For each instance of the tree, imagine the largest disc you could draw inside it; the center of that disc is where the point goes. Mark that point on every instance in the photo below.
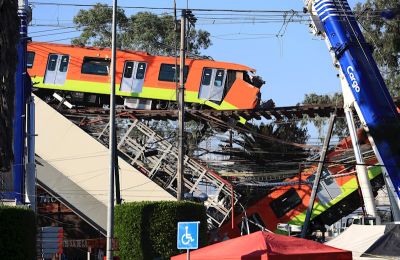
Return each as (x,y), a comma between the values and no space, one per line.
(147,32)
(384,36)
(9,25)
(143,31)
(340,127)
(96,26)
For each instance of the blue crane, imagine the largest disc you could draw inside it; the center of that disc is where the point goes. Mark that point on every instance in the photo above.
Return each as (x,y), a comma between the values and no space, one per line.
(335,21)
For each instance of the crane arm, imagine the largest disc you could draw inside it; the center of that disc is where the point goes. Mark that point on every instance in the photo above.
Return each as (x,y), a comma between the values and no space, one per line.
(336,23)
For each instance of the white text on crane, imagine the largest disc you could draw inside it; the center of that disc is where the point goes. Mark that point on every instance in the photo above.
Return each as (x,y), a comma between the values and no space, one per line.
(354,83)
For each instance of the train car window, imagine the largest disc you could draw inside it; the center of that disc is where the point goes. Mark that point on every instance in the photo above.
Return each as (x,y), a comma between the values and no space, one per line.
(95,66)
(167,73)
(219,78)
(30,59)
(51,66)
(128,69)
(285,203)
(206,79)
(141,69)
(64,63)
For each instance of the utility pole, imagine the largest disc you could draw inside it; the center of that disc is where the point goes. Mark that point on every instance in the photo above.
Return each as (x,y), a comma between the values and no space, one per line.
(20,106)
(24,116)
(30,179)
(181,116)
(112,139)
(318,176)
(186,15)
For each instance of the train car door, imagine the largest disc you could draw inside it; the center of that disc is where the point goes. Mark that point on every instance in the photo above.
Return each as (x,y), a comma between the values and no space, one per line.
(328,189)
(56,70)
(330,185)
(212,84)
(217,89)
(133,77)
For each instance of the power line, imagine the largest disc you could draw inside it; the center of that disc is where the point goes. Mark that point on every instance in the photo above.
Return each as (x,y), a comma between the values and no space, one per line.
(376,12)
(164,8)
(50,30)
(51,34)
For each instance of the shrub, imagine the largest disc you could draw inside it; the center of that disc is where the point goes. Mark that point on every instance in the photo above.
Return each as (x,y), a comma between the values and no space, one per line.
(17,233)
(147,230)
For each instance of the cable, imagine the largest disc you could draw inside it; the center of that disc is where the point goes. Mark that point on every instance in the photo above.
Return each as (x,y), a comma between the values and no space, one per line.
(376,12)
(158,8)
(51,34)
(49,30)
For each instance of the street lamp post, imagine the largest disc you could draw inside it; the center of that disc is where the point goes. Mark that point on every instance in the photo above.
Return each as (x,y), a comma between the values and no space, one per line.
(112,140)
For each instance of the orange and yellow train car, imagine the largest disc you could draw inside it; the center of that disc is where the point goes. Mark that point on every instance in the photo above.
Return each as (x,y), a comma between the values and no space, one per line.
(338,195)
(143,81)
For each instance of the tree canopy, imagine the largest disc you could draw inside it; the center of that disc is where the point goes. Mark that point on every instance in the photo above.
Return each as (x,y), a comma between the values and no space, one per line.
(9,26)
(384,36)
(143,31)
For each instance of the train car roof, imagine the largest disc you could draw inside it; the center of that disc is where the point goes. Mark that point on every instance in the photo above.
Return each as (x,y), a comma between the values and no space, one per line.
(230,65)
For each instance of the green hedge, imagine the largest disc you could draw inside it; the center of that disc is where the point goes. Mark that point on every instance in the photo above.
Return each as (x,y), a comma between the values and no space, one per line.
(148,230)
(17,233)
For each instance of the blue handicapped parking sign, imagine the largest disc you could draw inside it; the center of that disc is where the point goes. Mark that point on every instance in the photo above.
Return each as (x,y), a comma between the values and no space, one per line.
(188,235)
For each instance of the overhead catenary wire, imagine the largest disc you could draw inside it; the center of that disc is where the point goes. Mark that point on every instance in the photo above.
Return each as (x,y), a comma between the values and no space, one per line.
(57,33)
(171,9)
(267,16)
(50,30)
(213,15)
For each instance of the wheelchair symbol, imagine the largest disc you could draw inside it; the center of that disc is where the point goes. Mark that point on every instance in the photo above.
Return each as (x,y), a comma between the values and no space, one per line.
(187,238)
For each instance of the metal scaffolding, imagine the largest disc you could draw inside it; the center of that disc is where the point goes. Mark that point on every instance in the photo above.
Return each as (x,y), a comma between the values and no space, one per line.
(157,158)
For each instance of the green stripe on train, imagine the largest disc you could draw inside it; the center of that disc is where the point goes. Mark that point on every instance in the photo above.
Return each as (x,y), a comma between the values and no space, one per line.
(347,189)
(147,92)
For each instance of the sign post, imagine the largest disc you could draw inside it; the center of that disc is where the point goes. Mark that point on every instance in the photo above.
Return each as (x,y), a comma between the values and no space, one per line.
(188,236)
(51,241)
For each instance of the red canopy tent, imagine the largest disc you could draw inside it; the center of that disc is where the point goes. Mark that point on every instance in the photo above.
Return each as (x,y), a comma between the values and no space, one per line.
(265,245)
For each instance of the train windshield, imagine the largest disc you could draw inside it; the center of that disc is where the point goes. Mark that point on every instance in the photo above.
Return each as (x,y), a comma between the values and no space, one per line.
(252,79)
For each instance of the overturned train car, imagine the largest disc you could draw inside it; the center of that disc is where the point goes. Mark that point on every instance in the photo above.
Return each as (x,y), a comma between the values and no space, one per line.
(338,195)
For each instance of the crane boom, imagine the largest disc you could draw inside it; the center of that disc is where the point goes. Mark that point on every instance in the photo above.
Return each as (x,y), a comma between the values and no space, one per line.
(335,21)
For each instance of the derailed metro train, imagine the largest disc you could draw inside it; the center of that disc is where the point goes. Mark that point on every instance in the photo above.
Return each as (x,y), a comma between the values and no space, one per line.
(143,81)
(338,195)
